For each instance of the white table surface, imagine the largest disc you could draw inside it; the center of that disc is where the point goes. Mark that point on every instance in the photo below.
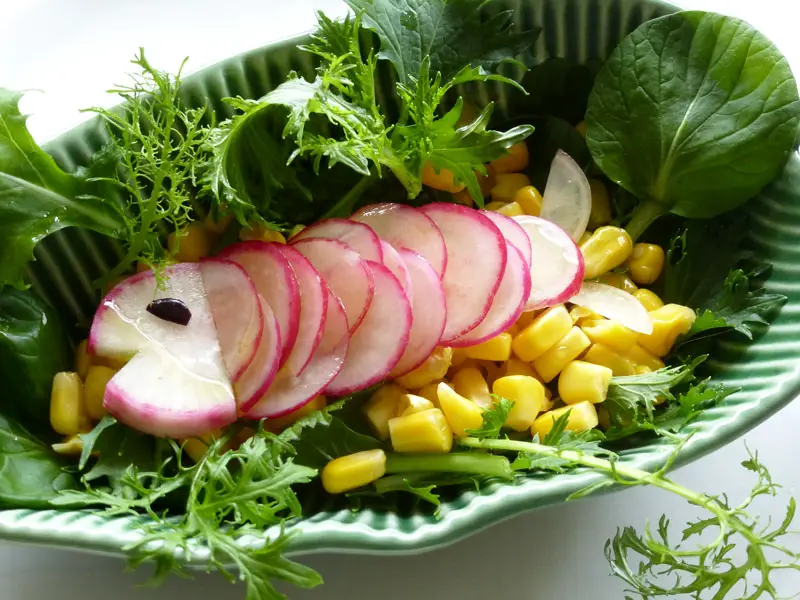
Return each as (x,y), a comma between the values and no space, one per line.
(73,50)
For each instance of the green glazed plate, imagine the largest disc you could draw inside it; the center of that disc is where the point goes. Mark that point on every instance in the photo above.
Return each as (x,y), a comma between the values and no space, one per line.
(586,31)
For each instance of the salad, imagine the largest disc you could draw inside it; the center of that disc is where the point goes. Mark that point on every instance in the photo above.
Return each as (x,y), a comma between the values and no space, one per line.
(392,293)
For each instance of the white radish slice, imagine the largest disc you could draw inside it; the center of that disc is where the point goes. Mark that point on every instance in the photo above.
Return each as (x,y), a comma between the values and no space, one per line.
(405,227)
(379,342)
(313,305)
(236,310)
(567,200)
(275,282)
(615,304)
(514,292)
(557,266)
(358,236)
(289,392)
(476,260)
(393,261)
(513,232)
(258,377)
(428,311)
(345,272)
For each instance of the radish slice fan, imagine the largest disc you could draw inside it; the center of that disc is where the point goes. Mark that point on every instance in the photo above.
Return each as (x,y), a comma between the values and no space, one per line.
(615,304)
(567,196)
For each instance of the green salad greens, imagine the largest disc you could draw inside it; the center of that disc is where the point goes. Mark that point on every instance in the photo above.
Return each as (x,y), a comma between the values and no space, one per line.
(693,114)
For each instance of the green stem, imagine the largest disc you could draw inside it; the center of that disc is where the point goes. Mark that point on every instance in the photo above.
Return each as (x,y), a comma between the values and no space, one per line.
(643,216)
(344,206)
(473,463)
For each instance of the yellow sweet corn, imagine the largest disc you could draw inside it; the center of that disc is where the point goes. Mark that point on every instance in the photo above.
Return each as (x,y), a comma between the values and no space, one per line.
(497,348)
(470,383)
(600,354)
(607,248)
(492,370)
(512,209)
(585,236)
(458,357)
(426,431)
(94,390)
(581,381)
(601,207)
(353,471)
(515,366)
(527,318)
(261,234)
(281,423)
(463,198)
(646,263)
(648,299)
(411,403)
(603,418)
(582,417)
(513,162)
(70,446)
(610,333)
(507,185)
(494,206)
(567,349)
(669,321)
(530,200)
(429,393)
(67,410)
(381,407)
(513,330)
(82,359)
(643,358)
(580,315)
(461,414)
(191,245)
(295,230)
(527,393)
(195,447)
(581,128)
(433,369)
(443,180)
(618,280)
(541,335)
(219,225)
(486,182)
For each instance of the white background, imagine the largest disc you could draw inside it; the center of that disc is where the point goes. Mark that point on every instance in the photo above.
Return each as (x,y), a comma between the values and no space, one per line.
(73,50)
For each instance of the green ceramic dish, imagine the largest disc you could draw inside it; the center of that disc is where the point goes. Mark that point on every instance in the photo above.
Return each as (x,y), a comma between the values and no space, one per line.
(768,372)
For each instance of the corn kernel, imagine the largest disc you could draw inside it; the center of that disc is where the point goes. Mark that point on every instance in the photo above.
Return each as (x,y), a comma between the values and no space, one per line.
(512,209)
(581,381)
(549,401)
(513,162)
(261,234)
(567,349)
(541,335)
(381,407)
(411,403)
(192,244)
(606,249)
(581,128)
(70,446)
(581,315)
(488,181)
(426,431)
(603,418)
(585,236)
(295,230)
(646,263)
(433,369)
(196,447)
(67,410)
(601,208)
(353,471)
(618,280)
(669,321)
(219,225)
(512,330)
(507,186)
(82,359)
(582,417)
(497,348)
(280,423)
(459,356)
(610,333)
(527,393)
(441,179)
(492,370)
(648,299)
(429,392)
(494,206)
(463,198)
(470,383)
(643,358)
(527,318)
(94,390)
(530,200)
(600,354)
(461,414)
(515,366)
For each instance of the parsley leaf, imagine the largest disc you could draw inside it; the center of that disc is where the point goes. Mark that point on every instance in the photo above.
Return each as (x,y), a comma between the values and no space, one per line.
(493,419)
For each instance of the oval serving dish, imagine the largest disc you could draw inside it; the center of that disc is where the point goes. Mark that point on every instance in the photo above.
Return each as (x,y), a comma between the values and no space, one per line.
(582,31)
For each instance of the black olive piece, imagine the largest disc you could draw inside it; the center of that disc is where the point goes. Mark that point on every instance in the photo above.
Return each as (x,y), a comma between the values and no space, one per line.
(170,309)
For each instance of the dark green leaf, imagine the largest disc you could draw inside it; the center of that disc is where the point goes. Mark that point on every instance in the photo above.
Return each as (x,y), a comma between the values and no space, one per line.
(330,438)
(117,447)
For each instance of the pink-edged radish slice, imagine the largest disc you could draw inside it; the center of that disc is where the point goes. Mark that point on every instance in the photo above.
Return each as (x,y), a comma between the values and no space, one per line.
(175,383)
(289,392)
(567,200)
(359,236)
(615,304)
(476,260)
(345,272)
(313,305)
(405,227)
(236,310)
(513,232)
(514,292)
(393,261)
(258,377)
(378,343)
(275,281)
(428,311)
(557,266)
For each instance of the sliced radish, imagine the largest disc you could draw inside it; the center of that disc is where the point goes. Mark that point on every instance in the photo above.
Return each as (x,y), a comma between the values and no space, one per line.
(379,342)
(393,261)
(289,392)
(359,236)
(345,272)
(615,304)
(313,304)
(557,266)
(513,232)
(514,292)
(258,377)
(476,260)
(428,310)
(567,198)
(236,310)
(275,282)
(405,227)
